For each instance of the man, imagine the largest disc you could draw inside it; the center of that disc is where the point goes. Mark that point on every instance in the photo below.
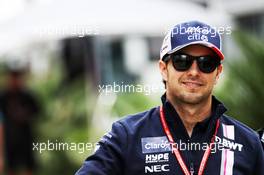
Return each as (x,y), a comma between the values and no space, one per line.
(189,133)
(18,108)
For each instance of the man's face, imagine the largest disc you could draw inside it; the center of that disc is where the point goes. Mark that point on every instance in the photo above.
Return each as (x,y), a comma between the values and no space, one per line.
(191,86)
(15,81)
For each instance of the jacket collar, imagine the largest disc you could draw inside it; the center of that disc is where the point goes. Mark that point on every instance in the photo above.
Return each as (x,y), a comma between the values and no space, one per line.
(171,115)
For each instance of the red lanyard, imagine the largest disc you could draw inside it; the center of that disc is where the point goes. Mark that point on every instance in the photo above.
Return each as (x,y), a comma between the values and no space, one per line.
(177,152)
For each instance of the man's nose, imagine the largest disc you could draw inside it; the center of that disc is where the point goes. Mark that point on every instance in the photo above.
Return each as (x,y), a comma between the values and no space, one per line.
(194,69)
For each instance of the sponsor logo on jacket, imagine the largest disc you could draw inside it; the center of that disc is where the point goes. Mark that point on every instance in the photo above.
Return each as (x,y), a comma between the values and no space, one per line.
(155,144)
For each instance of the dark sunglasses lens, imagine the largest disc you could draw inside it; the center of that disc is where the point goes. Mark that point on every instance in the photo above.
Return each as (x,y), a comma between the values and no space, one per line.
(207,64)
(181,62)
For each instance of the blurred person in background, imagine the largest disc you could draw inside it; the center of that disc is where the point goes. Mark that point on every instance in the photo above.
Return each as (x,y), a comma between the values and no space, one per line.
(19,108)
(189,134)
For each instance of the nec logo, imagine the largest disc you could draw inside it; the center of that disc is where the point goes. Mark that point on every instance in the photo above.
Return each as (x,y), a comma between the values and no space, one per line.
(156,158)
(157,168)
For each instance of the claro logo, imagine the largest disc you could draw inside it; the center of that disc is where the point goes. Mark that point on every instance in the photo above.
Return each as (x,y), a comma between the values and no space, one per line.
(157,168)
(155,144)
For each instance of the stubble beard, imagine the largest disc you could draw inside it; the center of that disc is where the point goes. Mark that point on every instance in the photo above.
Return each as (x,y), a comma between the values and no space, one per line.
(189,97)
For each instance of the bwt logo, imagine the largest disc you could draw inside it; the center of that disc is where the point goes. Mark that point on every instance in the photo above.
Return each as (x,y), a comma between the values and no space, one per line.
(229,144)
(157,168)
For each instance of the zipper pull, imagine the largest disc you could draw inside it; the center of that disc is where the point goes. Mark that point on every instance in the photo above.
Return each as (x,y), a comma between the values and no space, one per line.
(191,169)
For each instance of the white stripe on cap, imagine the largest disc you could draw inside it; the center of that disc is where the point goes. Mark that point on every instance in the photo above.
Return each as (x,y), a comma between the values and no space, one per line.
(166,45)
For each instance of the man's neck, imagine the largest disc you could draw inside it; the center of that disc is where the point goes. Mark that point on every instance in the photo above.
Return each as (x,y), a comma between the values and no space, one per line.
(191,114)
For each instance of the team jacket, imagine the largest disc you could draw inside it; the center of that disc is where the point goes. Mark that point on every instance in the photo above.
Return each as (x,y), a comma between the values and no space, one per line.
(138,145)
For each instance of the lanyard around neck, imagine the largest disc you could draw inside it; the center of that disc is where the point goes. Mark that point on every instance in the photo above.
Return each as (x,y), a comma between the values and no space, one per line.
(177,152)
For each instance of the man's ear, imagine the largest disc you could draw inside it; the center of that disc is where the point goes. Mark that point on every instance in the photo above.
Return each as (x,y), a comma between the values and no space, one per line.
(163,70)
(219,71)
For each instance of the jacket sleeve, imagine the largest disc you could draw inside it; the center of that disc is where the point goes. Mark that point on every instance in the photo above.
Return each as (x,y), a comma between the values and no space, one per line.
(108,159)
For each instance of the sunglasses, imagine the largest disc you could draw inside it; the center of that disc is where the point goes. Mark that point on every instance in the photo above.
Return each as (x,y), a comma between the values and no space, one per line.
(183,62)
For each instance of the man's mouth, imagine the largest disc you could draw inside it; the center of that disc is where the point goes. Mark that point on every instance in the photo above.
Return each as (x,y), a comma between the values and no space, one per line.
(192,84)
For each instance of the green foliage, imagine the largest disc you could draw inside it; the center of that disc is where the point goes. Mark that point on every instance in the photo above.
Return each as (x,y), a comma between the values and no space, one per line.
(67,112)
(130,103)
(63,119)
(243,90)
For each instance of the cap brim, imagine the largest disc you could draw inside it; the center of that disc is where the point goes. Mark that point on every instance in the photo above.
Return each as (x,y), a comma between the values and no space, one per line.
(206,44)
